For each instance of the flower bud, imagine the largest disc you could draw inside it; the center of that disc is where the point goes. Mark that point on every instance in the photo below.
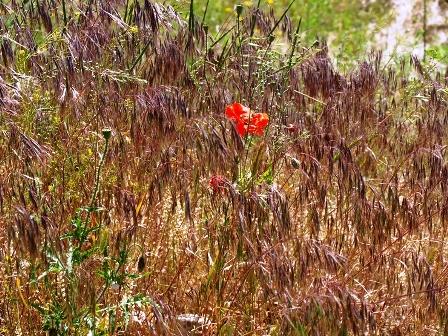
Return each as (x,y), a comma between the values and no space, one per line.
(107,133)
(239,9)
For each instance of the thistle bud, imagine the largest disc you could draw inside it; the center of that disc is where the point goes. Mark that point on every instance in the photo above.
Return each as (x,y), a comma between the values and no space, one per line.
(107,133)
(239,9)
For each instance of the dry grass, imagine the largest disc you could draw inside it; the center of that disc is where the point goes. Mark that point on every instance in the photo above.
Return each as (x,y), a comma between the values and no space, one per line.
(333,225)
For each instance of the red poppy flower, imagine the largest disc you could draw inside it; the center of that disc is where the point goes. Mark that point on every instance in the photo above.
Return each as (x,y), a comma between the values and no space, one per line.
(253,124)
(247,122)
(234,111)
(218,183)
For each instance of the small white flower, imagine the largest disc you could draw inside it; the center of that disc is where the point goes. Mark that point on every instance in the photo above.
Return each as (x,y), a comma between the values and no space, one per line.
(138,316)
(115,286)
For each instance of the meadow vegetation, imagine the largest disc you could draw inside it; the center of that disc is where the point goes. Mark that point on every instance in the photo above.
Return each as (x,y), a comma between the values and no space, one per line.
(348,25)
(137,199)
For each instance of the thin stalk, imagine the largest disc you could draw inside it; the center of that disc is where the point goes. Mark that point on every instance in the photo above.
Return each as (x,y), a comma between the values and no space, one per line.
(425,12)
(191,17)
(223,55)
(139,57)
(221,37)
(270,36)
(294,43)
(64,11)
(281,17)
(98,175)
(130,9)
(312,98)
(254,19)
(205,12)
(96,187)
(126,10)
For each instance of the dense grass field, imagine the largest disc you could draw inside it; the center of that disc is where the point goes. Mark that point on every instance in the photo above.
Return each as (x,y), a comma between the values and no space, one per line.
(162,174)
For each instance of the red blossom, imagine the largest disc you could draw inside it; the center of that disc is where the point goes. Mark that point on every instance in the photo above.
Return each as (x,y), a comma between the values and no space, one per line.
(235,110)
(247,122)
(218,183)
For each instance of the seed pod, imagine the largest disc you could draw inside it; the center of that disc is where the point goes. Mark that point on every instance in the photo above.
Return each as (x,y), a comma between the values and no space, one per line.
(295,163)
(141,264)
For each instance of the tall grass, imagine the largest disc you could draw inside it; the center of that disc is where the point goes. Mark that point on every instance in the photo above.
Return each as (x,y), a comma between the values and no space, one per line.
(348,25)
(112,124)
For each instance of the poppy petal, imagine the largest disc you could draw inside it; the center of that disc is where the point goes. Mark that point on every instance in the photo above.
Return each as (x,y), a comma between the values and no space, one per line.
(247,122)
(231,113)
(241,129)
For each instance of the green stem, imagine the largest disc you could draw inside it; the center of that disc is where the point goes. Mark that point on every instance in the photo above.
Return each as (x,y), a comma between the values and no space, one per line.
(281,17)
(126,11)
(98,174)
(205,12)
(294,43)
(254,20)
(139,56)
(191,17)
(64,11)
